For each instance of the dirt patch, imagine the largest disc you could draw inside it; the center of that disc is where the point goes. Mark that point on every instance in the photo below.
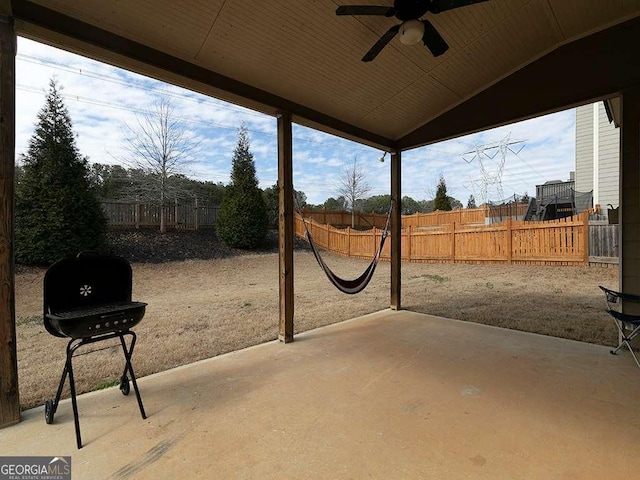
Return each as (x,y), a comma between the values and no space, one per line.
(203,308)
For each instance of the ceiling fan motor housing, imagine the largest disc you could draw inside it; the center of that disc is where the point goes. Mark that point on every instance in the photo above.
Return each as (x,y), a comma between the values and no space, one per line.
(413,27)
(410,9)
(411,32)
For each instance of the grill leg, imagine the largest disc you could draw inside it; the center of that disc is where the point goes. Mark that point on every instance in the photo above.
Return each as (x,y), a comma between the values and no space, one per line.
(60,387)
(72,386)
(68,370)
(128,367)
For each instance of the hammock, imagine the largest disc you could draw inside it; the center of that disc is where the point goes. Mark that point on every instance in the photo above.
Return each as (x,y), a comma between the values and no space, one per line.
(356,285)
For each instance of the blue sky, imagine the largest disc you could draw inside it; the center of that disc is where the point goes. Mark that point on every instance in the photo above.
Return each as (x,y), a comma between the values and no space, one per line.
(103,99)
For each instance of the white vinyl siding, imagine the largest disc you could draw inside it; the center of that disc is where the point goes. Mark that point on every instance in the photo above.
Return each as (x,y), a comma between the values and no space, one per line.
(609,160)
(608,155)
(584,148)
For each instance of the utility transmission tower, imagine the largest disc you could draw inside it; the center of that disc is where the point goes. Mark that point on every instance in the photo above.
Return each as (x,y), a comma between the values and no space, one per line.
(491,175)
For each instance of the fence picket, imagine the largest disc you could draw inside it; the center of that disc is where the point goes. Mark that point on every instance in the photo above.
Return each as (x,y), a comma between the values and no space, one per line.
(564,242)
(189,216)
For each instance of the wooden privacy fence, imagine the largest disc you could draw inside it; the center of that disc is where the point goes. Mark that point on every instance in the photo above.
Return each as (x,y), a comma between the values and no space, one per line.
(369,220)
(187,215)
(361,220)
(603,241)
(555,242)
(439,217)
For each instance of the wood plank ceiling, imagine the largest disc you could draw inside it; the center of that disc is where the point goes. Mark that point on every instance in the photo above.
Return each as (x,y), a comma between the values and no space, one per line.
(301,52)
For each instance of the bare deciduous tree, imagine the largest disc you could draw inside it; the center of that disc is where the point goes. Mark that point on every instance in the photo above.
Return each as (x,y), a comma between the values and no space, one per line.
(161,146)
(353,186)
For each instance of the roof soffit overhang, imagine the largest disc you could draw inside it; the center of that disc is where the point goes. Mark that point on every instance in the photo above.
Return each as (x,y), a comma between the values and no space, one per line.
(51,27)
(592,68)
(607,60)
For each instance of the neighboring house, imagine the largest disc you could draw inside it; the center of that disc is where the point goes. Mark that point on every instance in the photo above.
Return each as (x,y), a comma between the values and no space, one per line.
(557,199)
(598,154)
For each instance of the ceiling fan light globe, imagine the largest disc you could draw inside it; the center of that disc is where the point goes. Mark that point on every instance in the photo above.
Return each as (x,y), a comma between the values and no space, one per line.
(411,32)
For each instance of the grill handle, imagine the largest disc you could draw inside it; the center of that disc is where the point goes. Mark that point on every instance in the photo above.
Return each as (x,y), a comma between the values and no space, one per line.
(109,316)
(87,253)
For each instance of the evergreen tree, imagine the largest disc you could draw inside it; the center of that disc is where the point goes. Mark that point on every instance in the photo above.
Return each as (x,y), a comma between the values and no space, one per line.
(455,203)
(271,197)
(57,212)
(441,200)
(378,204)
(242,220)
(335,204)
(471,203)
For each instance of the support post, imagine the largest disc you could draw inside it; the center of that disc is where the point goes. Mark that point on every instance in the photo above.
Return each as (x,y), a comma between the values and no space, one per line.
(396,230)
(629,213)
(285,225)
(9,398)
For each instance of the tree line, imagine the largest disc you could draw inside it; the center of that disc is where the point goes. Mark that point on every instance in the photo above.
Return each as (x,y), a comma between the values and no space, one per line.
(118,183)
(58,192)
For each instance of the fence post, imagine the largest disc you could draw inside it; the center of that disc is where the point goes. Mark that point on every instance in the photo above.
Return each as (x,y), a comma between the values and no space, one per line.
(176,213)
(408,244)
(453,242)
(509,238)
(197,212)
(374,239)
(328,237)
(348,242)
(137,214)
(585,236)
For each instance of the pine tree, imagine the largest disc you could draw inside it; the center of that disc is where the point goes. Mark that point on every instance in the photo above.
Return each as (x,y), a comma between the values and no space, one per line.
(57,213)
(471,203)
(441,201)
(243,220)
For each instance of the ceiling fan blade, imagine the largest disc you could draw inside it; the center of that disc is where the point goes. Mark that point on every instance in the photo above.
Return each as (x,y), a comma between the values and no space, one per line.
(380,44)
(433,40)
(365,10)
(437,6)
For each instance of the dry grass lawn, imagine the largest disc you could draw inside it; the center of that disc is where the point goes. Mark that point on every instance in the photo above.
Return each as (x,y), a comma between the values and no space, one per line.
(202,308)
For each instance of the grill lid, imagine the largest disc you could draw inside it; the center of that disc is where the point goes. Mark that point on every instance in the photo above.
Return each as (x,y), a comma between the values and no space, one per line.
(86,281)
(79,291)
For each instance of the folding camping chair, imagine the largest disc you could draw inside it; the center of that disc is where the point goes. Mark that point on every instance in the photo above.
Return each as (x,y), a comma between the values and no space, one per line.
(628,325)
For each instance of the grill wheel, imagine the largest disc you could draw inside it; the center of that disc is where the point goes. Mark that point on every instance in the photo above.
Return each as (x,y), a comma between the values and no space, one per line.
(48,411)
(124,385)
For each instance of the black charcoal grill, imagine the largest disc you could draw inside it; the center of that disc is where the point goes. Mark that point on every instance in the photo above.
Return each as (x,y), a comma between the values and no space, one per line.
(87,298)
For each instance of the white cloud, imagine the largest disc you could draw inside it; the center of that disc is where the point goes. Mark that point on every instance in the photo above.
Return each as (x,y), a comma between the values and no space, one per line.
(102,99)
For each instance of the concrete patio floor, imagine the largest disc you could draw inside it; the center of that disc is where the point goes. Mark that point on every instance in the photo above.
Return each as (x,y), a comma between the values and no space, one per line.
(390,395)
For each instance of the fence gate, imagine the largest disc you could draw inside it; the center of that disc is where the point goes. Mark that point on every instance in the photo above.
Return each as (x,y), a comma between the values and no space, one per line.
(603,242)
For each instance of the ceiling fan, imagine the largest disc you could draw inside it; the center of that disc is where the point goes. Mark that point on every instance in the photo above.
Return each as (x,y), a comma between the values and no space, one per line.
(413,27)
